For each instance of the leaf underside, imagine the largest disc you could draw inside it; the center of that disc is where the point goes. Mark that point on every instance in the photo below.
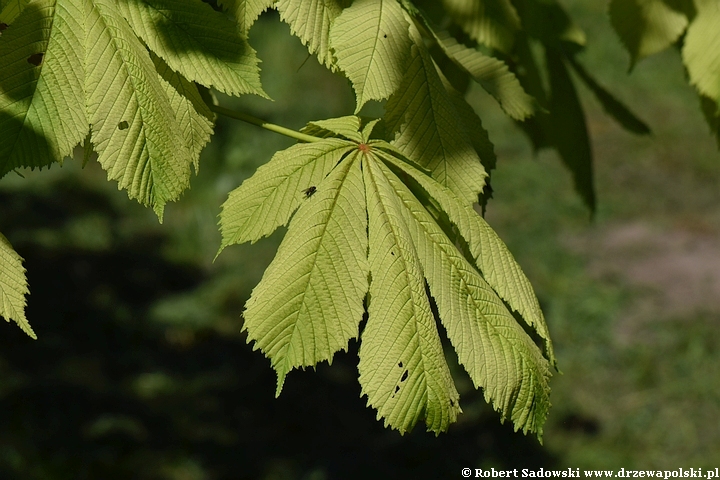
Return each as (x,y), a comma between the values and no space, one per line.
(361,236)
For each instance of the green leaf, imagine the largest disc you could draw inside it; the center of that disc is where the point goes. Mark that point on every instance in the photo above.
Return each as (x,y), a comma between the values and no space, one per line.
(358,230)
(548,21)
(567,129)
(41,95)
(9,10)
(347,127)
(246,12)
(266,200)
(428,129)
(309,303)
(494,349)
(611,105)
(496,263)
(402,367)
(490,22)
(371,44)
(191,112)
(646,27)
(310,21)
(133,124)
(701,51)
(199,43)
(13,287)
(492,74)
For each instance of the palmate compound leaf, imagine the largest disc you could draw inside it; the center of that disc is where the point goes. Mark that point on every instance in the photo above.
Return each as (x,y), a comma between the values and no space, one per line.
(310,21)
(13,287)
(201,44)
(371,44)
(429,129)
(360,218)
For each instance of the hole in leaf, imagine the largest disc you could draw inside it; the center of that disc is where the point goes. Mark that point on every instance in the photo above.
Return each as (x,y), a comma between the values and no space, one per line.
(400,364)
(36,59)
(397,388)
(385,36)
(123,125)
(3,26)
(452,402)
(404,377)
(393,254)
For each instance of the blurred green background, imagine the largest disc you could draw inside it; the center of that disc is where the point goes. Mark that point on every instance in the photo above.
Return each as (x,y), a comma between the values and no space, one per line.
(140,370)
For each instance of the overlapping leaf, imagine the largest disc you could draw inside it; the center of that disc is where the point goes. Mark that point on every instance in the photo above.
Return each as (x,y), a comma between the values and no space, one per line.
(73,66)
(491,22)
(13,287)
(701,51)
(360,222)
(476,319)
(245,12)
(371,44)
(310,21)
(646,26)
(201,44)
(42,102)
(428,127)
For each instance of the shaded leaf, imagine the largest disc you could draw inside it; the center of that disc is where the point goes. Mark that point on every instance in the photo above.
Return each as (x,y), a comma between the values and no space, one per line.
(646,27)
(198,42)
(42,101)
(428,129)
(611,105)
(490,22)
(133,124)
(246,12)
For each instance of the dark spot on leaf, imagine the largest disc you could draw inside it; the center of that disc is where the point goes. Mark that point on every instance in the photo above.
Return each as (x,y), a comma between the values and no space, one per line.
(36,59)
(397,388)
(309,191)
(123,125)
(393,254)
(404,377)
(385,36)
(400,364)
(3,26)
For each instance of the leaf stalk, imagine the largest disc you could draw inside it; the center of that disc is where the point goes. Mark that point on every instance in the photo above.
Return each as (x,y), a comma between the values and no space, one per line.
(301,137)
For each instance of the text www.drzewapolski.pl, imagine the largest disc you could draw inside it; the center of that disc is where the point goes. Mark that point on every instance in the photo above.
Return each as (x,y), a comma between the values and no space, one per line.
(706,474)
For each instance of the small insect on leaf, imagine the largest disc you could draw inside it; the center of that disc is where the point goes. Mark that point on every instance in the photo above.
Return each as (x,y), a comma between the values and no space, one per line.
(309,191)
(36,59)
(123,125)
